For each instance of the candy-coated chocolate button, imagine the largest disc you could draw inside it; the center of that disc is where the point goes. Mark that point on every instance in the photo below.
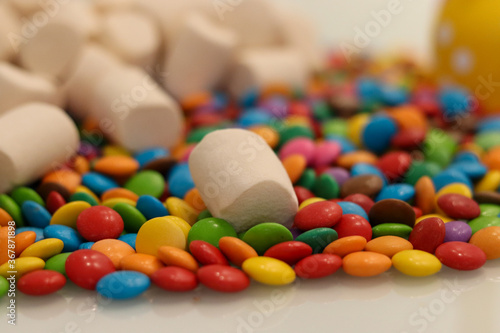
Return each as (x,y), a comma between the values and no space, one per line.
(346,245)
(131,216)
(484,222)
(236,250)
(182,209)
(140,262)
(174,278)
(99,222)
(269,271)
(4,286)
(158,232)
(68,214)
(388,245)
(428,234)
(23,240)
(116,165)
(458,206)
(57,263)
(318,238)
(223,278)
(353,225)
(123,285)
(262,236)
(318,265)
(392,229)
(290,252)
(323,214)
(487,239)
(114,249)
(365,264)
(210,230)
(44,249)
(41,282)
(461,256)
(86,267)
(206,253)
(172,256)
(147,182)
(416,263)
(21,266)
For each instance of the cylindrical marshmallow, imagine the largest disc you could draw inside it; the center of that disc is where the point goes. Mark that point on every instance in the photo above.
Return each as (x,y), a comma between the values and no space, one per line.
(9,30)
(241,179)
(84,16)
(34,138)
(19,87)
(134,111)
(132,36)
(258,68)
(200,57)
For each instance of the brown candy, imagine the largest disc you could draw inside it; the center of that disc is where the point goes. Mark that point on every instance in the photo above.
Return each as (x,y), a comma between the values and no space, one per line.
(368,185)
(487,197)
(392,211)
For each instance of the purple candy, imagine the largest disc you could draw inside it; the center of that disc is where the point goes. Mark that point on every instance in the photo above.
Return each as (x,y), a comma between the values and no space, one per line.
(458,231)
(275,106)
(340,174)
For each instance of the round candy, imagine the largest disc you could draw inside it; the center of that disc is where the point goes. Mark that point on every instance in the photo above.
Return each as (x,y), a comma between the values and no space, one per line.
(346,245)
(416,263)
(484,222)
(123,285)
(269,271)
(461,256)
(70,237)
(118,166)
(378,133)
(147,182)
(39,232)
(458,206)
(487,239)
(54,201)
(457,231)
(206,253)
(352,225)
(392,211)
(302,146)
(86,267)
(36,215)
(181,209)
(151,207)
(172,256)
(394,164)
(68,214)
(23,194)
(366,264)
(323,214)
(158,232)
(223,278)
(326,152)
(99,222)
(180,180)
(23,240)
(428,234)
(148,155)
(4,286)
(140,262)
(368,169)
(318,265)
(325,186)
(403,192)
(262,236)
(44,249)
(12,208)
(318,238)
(57,263)
(42,282)
(23,266)
(290,252)
(82,196)
(114,249)
(210,230)
(392,229)
(129,239)
(132,218)
(174,278)
(388,245)
(369,185)
(352,208)
(361,200)
(98,183)
(236,250)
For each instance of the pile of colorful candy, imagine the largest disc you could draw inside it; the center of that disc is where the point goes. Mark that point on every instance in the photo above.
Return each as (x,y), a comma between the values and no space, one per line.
(388,171)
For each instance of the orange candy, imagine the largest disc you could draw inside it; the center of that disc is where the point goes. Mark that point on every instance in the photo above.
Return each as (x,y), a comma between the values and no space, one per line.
(193,198)
(268,134)
(4,242)
(295,165)
(488,239)
(409,117)
(195,100)
(236,250)
(360,156)
(118,166)
(5,218)
(81,165)
(345,245)
(492,159)
(114,249)
(366,264)
(141,262)
(68,178)
(424,195)
(172,256)
(23,240)
(388,245)
(119,193)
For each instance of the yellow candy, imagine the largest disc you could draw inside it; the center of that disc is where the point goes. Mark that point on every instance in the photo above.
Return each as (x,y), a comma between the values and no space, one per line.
(182,209)
(416,263)
(44,249)
(355,126)
(113,201)
(490,181)
(67,214)
(158,232)
(457,188)
(21,266)
(115,151)
(309,201)
(84,189)
(269,271)
(442,217)
(185,227)
(297,120)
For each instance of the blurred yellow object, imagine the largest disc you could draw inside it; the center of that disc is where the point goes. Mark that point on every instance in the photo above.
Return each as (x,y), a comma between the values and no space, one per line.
(466,41)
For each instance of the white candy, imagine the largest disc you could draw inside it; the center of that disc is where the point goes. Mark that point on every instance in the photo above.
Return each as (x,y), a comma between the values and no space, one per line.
(200,58)
(19,87)
(259,68)
(9,26)
(241,179)
(34,138)
(132,36)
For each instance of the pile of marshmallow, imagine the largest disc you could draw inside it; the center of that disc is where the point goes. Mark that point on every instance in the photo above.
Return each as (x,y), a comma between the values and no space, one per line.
(126,64)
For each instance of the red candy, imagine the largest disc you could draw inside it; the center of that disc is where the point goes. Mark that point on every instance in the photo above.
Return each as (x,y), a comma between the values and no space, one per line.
(207,254)
(458,206)
(428,234)
(354,225)
(174,278)
(290,252)
(54,201)
(323,214)
(86,267)
(223,278)
(394,164)
(42,282)
(318,266)
(99,222)
(361,200)
(410,138)
(461,256)
(302,193)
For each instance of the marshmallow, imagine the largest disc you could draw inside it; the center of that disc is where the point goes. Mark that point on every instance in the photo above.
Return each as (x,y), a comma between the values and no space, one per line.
(84,16)
(134,111)
(9,26)
(132,36)
(259,68)
(241,179)
(19,87)
(27,7)
(34,138)
(200,58)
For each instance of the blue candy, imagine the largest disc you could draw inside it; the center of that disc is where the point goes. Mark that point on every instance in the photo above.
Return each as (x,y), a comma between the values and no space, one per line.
(368,90)
(37,231)
(346,146)
(367,169)
(489,124)
(449,176)
(180,180)
(472,170)
(378,133)
(392,95)
(352,208)
(454,102)
(465,156)
(148,155)
(151,207)
(123,285)
(70,237)
(35,214)
(98,183)
(402,192)
(129,239)
(86,246)
(253,117)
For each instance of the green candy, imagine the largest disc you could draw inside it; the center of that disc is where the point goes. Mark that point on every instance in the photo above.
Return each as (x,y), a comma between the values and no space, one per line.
(439,147)
(488,140)
(210,230)
(22,194)
(391,229)
(198,134)
(131,216)
(326,187)
(307,179)
(419,169)
(203,215)
(4,286)
(147,182)
(241,234)
(321,111)
(296,131)
(57,262)
(318,238)
(483,222)
(262,236)
(82,196)
(489,210)
(11,207)
(335,126)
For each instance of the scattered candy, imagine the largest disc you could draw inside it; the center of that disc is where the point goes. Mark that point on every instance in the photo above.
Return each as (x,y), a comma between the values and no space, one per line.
(42,282)
(123,285)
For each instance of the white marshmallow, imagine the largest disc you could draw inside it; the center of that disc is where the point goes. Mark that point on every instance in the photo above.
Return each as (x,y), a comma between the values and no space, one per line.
(19,87)
(259,68)
(84,16)
(134,111)
(26,7)
(200,58)
(9,26)
(34,138)
(132,36)
(241,179)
